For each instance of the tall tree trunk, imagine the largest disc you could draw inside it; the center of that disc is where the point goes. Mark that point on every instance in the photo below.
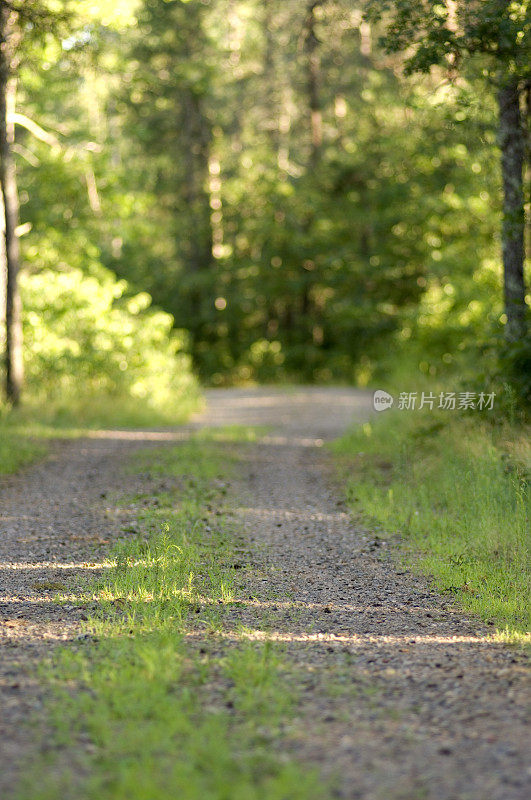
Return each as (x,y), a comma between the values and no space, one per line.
(313,78)
(3,278)
(311,43)
(512,146)
(198,248)
(270,78)
(197,140)
(527,159)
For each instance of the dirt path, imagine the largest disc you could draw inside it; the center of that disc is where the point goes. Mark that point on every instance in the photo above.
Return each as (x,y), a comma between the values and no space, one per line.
(402,696)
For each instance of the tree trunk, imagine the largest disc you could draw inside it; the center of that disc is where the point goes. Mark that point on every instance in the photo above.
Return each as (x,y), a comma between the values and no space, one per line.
(197,248)
(13,347)
(311,43)
(512,162)
(270,78)
(527,159)
(197,141)
(3,278)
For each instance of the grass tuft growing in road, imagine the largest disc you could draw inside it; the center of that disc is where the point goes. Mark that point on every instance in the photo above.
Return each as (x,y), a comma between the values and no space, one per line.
(155,704)
(457,492)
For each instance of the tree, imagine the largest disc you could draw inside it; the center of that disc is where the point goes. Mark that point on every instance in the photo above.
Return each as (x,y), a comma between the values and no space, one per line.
(311,43)
(169,99)
(31,18)
(9,40)
(498,34)
(333,200)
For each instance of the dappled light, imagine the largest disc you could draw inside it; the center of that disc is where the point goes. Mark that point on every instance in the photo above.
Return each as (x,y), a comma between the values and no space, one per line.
(54,565)
(292,514)
(352,640)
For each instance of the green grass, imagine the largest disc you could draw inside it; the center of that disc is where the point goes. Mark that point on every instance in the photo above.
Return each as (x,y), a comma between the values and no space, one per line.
(93,410)
(25,432)
(156,703)
(457,492)
(17,450)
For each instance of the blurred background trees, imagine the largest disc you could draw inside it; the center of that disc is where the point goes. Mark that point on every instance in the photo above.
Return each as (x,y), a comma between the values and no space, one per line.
(268,175)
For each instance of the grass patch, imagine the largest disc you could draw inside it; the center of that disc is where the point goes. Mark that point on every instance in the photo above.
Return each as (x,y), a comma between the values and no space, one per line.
(155,703)
(457,492)
(100,410)
(17,450)
(25,432)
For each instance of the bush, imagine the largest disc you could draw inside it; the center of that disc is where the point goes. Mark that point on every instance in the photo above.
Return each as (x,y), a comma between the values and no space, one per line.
(87,342)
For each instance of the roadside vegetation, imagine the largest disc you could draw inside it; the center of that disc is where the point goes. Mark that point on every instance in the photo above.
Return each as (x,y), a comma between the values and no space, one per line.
(17,449)
(100,354)
(453,492)
(100,357)
(152,702)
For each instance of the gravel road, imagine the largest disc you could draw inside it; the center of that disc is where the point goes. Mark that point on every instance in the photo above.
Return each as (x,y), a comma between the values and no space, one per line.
(402,696)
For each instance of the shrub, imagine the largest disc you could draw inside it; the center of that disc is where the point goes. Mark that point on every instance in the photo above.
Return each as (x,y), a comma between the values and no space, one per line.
(87,339)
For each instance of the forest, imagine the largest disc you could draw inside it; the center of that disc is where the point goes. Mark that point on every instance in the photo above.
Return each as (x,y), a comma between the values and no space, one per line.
(232,234)
(280,191)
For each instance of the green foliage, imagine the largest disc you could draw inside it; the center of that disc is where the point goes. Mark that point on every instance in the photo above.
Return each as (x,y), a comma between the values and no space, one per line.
(86,338)
(457,492)
(488,44)
(304,270)
(435,32)
(183,163)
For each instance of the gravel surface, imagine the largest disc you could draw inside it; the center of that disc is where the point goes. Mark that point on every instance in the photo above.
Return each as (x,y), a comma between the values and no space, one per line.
(401,695)
(56,523)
